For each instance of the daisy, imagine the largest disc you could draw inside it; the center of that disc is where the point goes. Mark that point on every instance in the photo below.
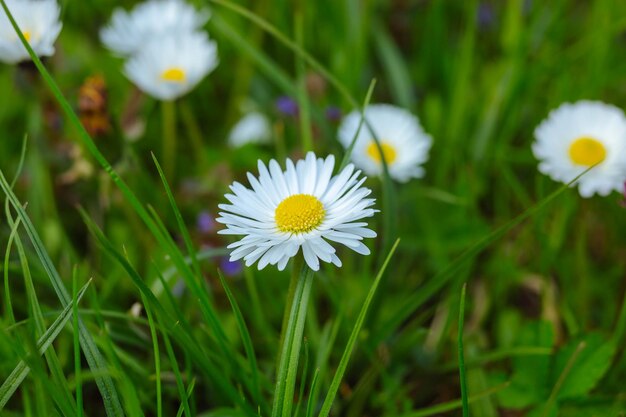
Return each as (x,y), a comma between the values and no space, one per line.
(252,128)
(39,22)
(404,143)
(170,67)
(304,207)
(129,32)
(578,136)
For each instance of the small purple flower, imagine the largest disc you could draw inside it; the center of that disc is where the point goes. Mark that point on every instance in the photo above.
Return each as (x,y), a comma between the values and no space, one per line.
(485,15)
(205,222)
(333,113)
(287,106)
(230,268)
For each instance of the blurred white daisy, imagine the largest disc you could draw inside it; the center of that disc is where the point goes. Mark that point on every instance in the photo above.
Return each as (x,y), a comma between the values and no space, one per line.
(39,22)
(254,127)
(129,32)
(577,136)
(301,207)
(404,143)
(169,67)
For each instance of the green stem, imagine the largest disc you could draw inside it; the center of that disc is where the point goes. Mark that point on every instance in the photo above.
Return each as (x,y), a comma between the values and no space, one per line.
(292,341)
(168,109)
(303,100)
(462,375)
(195,134)
(291,291)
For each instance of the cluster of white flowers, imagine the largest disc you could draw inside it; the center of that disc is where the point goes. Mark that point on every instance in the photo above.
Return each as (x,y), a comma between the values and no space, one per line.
(167,52)
(583,135)
(39,22)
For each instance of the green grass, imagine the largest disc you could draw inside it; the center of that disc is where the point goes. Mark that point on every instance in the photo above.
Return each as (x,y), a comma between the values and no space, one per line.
(113,302)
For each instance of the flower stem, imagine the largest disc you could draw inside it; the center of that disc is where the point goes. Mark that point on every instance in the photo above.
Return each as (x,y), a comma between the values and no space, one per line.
(291,341)
(168,110)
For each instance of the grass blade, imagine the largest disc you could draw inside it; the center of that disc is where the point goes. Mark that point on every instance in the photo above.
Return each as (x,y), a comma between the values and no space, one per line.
(179,380)
(345,358)
(246,339)
(77,368)
(94,358)
(16,377)
(366,102)
(183,338)
(157,357)
(462,375)
(441,278)
(290,351)
(397,72)
(454,405)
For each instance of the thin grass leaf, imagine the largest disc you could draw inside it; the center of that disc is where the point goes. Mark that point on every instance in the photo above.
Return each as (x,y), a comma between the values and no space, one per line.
(462,374)
(128,391)
(8,306)
(347,353)
(310,403)
(46,391)
(292,341)
(272,30)
(400,80)
(182,337)
(266,65)
(246,340)
(456,404)
(157,356)
(77,366)
(303,377)
(179,220)
(92,354)
(111,398)
(64,395)
(440,279)
(196,285)
(187,395)
(16,377)
(348,154)
(179,380)
(303,99)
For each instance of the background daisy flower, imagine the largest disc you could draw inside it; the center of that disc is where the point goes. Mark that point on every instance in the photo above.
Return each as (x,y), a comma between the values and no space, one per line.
(304,207)
(404,143)
(40,24)
(254,127)
(170,67)
(128,32)
(577,136)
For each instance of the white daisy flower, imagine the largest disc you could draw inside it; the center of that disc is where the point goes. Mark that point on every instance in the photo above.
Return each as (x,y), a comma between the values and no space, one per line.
(577,136)
(39,22)
(129,32)
(171,66)
(301,207)
(252,128)
(404,143)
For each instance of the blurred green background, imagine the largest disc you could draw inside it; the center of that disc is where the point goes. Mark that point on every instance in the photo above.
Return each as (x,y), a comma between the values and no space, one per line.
(544,331)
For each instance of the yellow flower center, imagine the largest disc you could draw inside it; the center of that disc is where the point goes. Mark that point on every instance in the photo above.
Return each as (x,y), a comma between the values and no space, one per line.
(587,151)
(27,36)
(174,74)
(299,213)
(389,152)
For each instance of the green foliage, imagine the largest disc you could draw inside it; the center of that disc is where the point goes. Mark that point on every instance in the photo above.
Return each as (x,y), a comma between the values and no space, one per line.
(152,327)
